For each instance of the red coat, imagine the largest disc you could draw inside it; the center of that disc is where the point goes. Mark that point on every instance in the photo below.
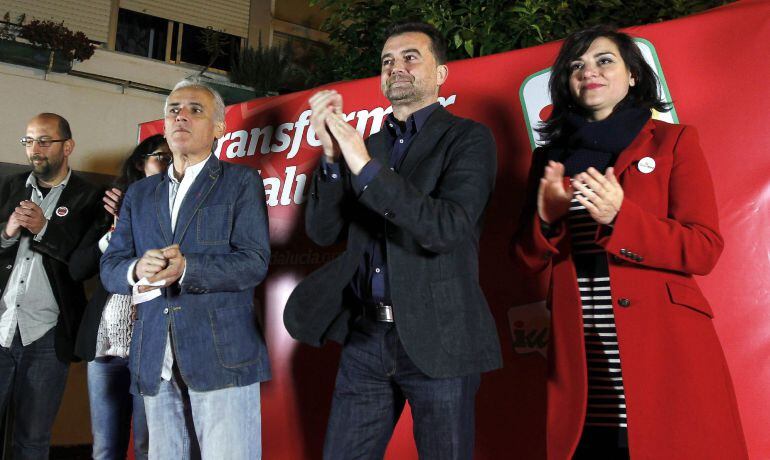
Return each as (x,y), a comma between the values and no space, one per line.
(679,395)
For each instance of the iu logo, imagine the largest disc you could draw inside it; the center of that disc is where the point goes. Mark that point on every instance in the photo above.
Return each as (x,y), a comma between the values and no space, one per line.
(530,328)
(536,102)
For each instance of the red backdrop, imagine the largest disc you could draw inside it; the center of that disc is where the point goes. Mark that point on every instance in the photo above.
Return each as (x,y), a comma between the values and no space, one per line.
(716,69)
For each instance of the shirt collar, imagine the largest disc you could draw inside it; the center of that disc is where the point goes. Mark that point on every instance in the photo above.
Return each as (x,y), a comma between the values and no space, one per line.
(414,122)
(32,181)
(191,172)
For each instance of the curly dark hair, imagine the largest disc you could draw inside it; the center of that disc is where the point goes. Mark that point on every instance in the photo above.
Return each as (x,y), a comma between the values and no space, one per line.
(133,167)
(643,94)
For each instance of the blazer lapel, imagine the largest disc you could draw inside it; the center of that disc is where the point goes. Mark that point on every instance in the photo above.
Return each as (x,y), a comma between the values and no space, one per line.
(195,197)
(23,192)
(69,194)
(640,147)
(162,210)
(422,146)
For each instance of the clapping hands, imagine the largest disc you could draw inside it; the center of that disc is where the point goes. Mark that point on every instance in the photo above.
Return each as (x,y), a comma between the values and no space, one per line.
(335,134)
(166,264)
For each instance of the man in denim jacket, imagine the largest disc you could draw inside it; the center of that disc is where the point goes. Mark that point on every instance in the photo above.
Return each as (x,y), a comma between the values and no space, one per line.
(193,243)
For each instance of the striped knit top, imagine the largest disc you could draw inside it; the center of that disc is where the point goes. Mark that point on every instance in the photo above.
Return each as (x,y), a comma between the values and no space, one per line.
(606,397)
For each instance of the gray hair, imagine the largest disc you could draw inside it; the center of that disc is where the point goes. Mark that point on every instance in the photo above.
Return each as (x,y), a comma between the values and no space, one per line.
(219,103)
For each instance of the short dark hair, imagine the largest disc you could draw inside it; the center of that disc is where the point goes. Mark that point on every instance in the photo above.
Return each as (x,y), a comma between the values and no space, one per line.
(437,41)
(643,94)
(64,126)
(133,167)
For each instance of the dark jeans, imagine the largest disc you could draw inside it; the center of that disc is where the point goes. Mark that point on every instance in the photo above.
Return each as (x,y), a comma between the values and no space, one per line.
(36,378)
(113,408)
(374,380)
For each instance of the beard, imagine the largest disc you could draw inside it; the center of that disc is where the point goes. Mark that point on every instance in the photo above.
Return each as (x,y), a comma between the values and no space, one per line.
(47,169)
(402,92)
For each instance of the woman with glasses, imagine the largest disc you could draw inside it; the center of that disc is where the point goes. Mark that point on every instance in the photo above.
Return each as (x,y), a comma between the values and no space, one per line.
(104,336)
(621,214)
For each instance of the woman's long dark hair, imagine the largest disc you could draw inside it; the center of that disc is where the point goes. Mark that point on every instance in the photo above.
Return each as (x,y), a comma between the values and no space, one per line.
(133,168)
(644,93)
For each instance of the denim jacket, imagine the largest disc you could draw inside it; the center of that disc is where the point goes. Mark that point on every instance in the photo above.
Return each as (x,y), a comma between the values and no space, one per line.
(222,231)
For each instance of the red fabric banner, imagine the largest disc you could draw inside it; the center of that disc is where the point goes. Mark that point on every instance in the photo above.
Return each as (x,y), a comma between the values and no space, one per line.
(715,68)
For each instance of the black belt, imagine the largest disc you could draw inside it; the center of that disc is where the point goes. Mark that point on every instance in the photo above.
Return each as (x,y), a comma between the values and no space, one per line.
(378,312)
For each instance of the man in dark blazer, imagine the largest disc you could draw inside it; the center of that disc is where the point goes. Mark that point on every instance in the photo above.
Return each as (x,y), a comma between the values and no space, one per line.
(404,297)
(43,216)
(200,230)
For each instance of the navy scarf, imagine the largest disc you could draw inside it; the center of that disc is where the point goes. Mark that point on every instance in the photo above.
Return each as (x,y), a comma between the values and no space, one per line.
(597,143)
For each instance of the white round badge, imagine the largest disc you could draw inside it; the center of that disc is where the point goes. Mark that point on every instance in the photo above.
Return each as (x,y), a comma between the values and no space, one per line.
(62,211)
(646,165)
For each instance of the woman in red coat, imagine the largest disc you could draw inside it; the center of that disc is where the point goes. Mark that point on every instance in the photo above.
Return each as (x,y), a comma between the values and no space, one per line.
(622,211)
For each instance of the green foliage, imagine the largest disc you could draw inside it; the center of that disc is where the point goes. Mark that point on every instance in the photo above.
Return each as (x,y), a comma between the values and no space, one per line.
(475,27)
(55,36)
(8,29)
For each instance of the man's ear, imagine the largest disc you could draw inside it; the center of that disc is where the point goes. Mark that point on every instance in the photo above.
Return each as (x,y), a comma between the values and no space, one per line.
(442,72)
(68,147)
(219,129)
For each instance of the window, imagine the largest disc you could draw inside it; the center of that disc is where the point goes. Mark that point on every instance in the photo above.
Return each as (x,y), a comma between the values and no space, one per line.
(193,51)
(148,36)
(141,34)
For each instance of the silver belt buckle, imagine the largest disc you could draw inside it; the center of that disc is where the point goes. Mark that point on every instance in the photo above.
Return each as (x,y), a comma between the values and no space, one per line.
(384,312)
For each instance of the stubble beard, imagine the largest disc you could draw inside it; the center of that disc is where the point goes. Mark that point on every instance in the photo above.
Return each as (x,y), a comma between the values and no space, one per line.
(46,170)
(403,94)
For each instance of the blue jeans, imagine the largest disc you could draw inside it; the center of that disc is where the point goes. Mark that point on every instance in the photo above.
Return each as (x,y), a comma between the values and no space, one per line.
(113,408)
(189,424)
(374,380)
(36,378)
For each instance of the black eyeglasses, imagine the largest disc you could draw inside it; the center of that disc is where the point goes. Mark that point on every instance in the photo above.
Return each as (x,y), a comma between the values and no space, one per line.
(163,157)
(27,141)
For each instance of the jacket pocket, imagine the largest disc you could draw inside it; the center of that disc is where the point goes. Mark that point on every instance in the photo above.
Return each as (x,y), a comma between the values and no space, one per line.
(236,338)
(456,303)
(214,224)
(689,297)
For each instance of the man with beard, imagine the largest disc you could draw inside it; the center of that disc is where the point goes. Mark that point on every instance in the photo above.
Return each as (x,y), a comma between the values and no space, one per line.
(43,216)
(404,297)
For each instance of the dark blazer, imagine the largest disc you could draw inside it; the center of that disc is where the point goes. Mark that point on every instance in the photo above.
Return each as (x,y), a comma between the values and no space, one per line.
(61,237)
(222,231)
(431,215)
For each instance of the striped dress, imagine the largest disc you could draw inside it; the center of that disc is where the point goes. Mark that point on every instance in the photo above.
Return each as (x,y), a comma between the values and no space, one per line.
(606,399)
